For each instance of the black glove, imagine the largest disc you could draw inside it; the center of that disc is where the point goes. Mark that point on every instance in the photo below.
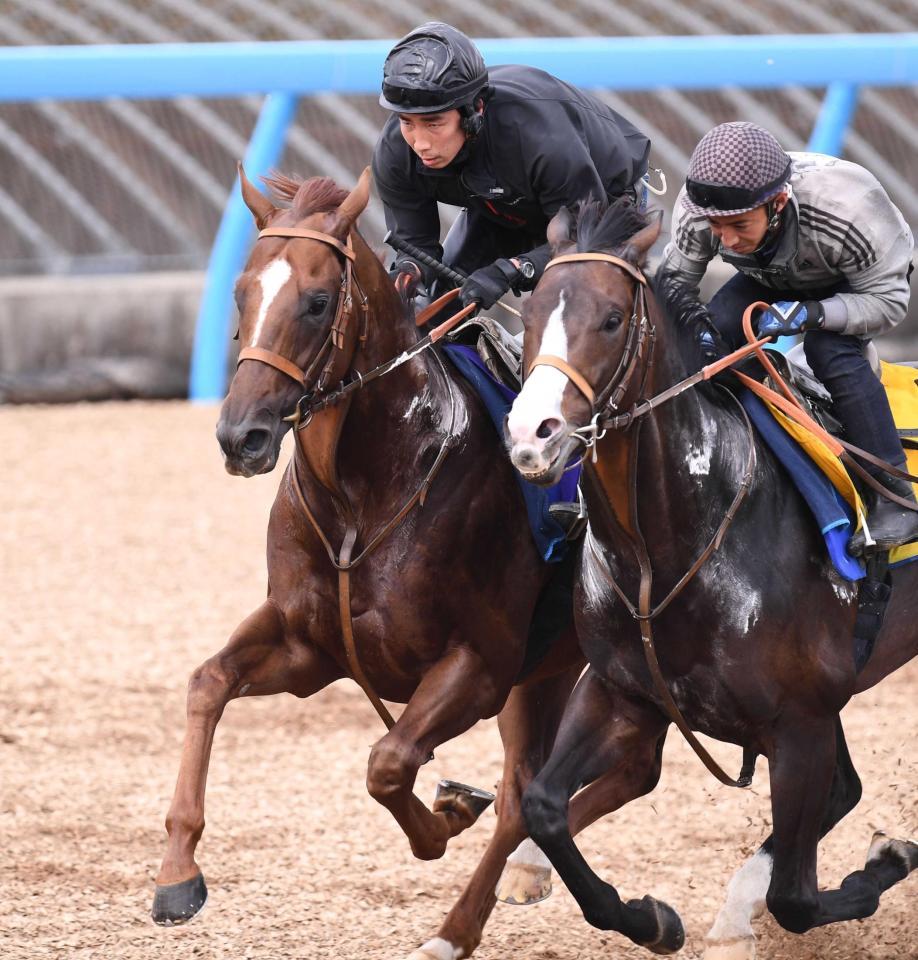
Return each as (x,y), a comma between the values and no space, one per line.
(786,318)
(487,285)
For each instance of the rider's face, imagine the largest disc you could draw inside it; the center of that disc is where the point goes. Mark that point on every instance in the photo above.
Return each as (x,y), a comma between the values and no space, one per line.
(744,232)
(435,137)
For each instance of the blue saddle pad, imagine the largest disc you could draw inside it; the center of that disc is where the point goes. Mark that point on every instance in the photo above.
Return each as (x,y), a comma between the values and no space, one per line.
(548,534)
(831,511)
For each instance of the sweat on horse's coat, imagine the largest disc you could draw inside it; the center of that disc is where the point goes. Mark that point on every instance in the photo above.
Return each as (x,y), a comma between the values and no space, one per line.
(771,679)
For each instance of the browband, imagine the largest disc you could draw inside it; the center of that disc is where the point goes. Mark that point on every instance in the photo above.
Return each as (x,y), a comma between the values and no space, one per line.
(629,268)
(346,249)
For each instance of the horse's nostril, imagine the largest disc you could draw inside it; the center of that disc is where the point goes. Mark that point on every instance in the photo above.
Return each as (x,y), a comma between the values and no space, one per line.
(255,442)
(547,428)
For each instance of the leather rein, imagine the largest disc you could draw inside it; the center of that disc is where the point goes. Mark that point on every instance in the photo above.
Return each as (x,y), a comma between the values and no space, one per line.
(346,335)
(637,359)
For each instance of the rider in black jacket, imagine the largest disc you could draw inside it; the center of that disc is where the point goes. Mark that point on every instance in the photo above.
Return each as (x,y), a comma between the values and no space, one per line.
(511,146)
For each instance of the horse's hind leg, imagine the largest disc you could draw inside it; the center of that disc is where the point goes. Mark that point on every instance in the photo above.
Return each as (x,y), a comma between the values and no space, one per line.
(258,660)
(528,723)
(601,734)
(731,937)
(800,775)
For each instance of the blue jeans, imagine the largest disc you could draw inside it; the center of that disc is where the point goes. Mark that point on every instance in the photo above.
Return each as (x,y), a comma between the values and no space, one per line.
(836,359)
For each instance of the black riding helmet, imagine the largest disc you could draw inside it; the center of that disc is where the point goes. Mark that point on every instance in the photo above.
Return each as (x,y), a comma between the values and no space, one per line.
(435,67)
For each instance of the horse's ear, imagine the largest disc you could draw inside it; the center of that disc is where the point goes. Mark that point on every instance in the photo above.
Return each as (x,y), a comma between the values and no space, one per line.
(354,203)
(645,238)
(559,230)
(260,206)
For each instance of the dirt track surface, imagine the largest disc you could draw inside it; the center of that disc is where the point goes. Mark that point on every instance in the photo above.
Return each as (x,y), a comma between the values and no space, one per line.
(127,556)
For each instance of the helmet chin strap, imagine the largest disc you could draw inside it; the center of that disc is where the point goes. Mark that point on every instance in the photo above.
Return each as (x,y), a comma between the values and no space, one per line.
(773,214)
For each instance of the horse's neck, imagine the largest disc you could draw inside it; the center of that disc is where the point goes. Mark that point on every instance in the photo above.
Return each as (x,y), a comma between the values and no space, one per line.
(377,438)
(657,479)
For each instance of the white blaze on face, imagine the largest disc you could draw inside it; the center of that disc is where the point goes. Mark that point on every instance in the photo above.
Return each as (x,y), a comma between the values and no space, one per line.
(272,280)
(540,398)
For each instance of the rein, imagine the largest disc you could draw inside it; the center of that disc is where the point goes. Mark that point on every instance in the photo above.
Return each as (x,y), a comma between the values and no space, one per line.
(639,344)
(342,342)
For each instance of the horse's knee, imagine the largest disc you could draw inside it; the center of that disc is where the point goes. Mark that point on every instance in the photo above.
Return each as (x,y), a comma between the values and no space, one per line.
(209,688)
(545,814)
(794,912)
(390,770)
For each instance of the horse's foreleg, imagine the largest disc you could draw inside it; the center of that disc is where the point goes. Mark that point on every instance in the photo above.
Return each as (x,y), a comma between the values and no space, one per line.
(258,660)
(801,774)
(453,695)
(601,734)
(731,937)
(528,724)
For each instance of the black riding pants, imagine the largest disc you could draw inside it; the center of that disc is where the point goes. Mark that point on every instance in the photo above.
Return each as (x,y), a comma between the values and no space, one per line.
(836,359)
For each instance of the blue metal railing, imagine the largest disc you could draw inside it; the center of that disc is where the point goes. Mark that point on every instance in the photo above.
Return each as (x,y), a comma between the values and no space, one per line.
(286,70)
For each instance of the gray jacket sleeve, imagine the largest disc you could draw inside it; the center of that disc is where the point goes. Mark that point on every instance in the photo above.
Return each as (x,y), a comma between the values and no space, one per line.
(875,263)
(690,249)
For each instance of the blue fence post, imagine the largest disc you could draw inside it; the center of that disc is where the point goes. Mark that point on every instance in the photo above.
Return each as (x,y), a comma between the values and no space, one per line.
(208,360)
(838,108)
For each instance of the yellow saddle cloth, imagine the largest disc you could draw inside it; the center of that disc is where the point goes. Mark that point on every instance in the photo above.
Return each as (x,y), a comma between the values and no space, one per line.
(901,384)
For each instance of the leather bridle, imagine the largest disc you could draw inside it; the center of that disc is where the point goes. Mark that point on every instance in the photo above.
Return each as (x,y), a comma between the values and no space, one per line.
(345,333)
(638,349)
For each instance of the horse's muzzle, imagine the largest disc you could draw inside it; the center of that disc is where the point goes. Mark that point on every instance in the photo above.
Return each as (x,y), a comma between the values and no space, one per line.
(247,450)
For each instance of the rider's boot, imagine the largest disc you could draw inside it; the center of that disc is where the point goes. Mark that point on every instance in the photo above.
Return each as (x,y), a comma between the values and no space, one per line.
(890,525)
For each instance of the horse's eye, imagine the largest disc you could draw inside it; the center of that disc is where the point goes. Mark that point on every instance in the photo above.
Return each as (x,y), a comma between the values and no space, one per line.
(612,322)
(317,306)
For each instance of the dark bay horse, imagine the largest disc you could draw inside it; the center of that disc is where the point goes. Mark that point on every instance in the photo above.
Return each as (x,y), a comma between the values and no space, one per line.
(756,647)
(440,607)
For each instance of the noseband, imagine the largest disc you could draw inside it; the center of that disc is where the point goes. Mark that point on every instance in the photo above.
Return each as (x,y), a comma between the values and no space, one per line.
(640,333)
(344,334)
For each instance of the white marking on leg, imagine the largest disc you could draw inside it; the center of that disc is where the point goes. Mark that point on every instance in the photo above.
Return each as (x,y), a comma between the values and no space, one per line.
(272,280)
(745,901)
(437,949)
(540,398)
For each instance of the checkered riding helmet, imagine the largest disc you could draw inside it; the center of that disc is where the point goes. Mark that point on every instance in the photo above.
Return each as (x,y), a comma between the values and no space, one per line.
(735,168)
(435,67)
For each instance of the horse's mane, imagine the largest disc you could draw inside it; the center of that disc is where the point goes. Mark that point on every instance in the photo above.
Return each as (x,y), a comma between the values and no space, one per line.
(606,227)
(315,195)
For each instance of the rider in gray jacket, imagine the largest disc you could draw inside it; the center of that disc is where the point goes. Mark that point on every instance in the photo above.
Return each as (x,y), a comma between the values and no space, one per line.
(818,238)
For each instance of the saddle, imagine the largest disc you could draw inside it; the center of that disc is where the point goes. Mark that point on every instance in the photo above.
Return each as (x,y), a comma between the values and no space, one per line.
(500,351)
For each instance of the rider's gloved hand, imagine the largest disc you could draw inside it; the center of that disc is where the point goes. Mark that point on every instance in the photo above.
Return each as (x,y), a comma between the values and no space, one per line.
(487,285)
(789,317)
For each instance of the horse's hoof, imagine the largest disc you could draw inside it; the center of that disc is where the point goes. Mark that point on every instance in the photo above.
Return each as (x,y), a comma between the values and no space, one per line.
(741,948)
(437,949)
(522,884)
(177,903)
(670,932)
(883,847)
(452,795)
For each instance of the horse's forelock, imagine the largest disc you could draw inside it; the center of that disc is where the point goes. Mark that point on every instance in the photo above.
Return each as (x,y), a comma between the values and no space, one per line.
(603,227)
(316,195)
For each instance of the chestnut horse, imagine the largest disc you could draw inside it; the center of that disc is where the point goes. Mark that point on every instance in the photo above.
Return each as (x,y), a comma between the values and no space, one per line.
(439,608)
(752,626)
